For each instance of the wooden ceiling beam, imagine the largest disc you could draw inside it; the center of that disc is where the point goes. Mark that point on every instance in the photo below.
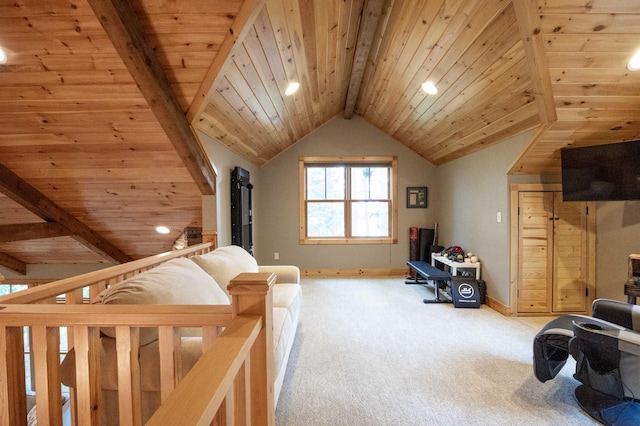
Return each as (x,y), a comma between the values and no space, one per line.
(32,231)
(371,13)
(12,263)
(123,28)
(33,200)
(530,31)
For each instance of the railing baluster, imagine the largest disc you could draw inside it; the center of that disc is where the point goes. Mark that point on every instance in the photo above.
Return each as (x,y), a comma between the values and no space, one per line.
(246,387)
(13,360)
(88,388)
(124,363)
(46,359)
(4,378)
(169,344)
(209,334)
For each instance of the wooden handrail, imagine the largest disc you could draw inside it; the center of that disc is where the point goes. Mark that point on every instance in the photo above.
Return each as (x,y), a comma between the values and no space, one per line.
(197,398)
(113,315)
(55,288)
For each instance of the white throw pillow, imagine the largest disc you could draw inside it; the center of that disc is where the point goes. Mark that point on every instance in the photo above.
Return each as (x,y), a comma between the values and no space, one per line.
(225,263)
(175,282)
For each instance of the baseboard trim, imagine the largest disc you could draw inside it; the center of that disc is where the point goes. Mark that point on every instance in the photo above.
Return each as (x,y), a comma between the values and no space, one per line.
(354,272)
(498,307)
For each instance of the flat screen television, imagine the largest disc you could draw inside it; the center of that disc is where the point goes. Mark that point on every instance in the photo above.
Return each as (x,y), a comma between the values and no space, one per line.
(609,172)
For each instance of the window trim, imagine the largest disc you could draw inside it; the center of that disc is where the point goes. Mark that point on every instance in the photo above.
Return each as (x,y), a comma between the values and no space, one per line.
(349,161)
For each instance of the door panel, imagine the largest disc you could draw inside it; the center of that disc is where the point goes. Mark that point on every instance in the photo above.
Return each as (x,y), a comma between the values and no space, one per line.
(535,259)
(570,256)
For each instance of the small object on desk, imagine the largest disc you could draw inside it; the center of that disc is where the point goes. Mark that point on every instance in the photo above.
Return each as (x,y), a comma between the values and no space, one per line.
(455,266)
(631,291)
(632,287)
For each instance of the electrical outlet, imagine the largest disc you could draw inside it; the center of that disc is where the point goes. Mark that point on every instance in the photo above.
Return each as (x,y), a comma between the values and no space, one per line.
(499,217)
(276,256)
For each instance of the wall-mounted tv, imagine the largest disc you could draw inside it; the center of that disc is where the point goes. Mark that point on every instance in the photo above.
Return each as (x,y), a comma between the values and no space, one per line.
(609,172)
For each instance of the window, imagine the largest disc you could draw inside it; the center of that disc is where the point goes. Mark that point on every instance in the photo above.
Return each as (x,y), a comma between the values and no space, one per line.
(348,200)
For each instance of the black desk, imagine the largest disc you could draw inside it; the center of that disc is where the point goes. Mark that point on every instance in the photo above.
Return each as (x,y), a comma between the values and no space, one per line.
(431,273)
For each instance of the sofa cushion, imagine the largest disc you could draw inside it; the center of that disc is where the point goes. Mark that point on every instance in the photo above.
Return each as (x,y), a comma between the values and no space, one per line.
(225,263)
(285,274)
(282,329)
(175,282)
(285,295)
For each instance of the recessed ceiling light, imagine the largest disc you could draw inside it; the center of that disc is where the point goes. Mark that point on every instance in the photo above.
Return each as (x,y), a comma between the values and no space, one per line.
(3,56)
(429,88)
(634,62)
(162,229)
(292,88)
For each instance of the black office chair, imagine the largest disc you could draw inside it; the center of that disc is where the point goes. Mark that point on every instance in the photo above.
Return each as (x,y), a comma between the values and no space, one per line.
(606,348)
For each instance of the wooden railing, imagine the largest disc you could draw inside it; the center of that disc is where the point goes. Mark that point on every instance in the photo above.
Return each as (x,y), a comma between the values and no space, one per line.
(231,383)
(98,280)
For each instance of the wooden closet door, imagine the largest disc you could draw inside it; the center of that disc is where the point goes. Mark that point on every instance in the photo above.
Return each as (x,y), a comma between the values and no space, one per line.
(570,257)
(535,260)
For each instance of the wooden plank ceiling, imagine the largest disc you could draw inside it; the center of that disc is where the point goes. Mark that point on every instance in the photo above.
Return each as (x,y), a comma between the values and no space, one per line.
(102,102)
(597,99)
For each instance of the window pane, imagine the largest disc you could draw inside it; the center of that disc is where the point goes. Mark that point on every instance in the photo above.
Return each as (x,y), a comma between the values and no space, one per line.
(379,183)
(335,183)
(325,219)
(360,183)
(369,183)
(325,183)
(370,219)
(315,183)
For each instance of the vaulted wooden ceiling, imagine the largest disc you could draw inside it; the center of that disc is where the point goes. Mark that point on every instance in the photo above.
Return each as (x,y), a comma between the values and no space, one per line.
(102,102)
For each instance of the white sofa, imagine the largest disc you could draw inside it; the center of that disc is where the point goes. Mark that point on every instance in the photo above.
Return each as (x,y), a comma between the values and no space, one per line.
(198,280)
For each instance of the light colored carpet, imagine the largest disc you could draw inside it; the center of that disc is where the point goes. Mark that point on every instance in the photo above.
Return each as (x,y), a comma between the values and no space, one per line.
(368,352)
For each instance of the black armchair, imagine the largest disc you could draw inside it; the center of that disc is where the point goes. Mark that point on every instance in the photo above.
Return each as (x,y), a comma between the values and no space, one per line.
(606,348)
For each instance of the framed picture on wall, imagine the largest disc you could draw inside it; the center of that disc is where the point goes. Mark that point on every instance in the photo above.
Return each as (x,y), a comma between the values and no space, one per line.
(417,197)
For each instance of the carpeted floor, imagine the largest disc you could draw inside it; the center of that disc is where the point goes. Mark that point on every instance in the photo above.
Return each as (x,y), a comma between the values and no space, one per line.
(368,352)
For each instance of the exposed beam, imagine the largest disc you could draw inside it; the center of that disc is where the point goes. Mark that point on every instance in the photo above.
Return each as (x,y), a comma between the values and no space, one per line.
(530,32)
(241,25)
(12,263)
(123,28)
(32,231)
(34,201)
(371,13)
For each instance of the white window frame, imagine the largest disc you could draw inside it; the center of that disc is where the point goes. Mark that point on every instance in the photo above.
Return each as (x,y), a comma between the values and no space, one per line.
(392,161)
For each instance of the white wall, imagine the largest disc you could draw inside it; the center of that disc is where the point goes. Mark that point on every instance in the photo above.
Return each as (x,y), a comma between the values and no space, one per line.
(617,236)
(224,161)
(474,189)
(278,203)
